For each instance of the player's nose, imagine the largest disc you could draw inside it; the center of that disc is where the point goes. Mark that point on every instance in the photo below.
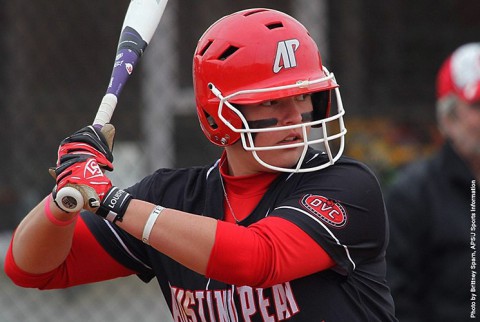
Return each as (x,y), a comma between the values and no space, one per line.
(290,112)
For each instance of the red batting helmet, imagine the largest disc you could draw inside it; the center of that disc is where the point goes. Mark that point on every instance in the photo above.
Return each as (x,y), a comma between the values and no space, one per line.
(258,55)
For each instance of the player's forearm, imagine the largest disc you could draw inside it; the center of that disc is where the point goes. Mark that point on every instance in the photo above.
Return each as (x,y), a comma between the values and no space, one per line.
(185,237)
(40,246)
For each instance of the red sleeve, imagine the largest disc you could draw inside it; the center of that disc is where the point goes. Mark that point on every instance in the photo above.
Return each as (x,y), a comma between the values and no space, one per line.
(87,262)
(269,252)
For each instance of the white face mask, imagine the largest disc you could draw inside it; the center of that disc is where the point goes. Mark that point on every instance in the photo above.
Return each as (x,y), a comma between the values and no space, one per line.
(322,139)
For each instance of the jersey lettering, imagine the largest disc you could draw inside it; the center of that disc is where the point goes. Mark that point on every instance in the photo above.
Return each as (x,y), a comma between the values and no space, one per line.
(285,56)
(285,302)
(264,303)
(219,305)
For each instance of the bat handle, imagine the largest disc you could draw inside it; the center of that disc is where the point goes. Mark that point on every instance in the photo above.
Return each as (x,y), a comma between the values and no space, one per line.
(69,199)
(105,110)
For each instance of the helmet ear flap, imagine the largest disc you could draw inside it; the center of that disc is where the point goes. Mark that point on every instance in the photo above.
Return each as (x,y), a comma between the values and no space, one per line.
(210,120)
(216,130)
(321,102)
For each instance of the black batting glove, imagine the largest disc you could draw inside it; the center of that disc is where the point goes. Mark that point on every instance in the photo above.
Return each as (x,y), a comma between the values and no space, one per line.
(91,141)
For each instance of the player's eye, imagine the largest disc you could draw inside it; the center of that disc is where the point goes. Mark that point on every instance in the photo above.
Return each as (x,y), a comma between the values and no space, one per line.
(301,97)
(268,103)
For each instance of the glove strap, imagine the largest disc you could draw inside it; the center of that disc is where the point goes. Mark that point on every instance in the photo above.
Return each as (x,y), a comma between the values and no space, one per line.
(114,205)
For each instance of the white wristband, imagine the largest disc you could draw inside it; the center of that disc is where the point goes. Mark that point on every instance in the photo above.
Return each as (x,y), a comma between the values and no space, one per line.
(150,222)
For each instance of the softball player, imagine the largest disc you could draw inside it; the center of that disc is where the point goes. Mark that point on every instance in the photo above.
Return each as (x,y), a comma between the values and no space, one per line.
(275,230)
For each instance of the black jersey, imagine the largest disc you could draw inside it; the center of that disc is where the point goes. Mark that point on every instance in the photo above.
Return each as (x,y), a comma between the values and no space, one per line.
(340,207)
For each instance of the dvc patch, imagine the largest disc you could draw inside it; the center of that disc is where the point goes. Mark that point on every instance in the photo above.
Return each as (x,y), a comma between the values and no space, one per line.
(327,210)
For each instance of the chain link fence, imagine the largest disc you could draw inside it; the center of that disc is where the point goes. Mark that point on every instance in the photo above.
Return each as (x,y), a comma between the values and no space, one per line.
(57,58)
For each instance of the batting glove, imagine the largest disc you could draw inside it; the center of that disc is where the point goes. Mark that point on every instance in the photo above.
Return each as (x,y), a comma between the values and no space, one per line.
(82,157)
(91,141)
(84,174)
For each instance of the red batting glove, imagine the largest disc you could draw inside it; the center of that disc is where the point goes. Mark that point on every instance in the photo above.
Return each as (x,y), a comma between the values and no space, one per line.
(82,172)
(79,148)
(92,141)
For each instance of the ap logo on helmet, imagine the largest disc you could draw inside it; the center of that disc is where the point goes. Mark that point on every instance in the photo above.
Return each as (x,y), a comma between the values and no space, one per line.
(285,57)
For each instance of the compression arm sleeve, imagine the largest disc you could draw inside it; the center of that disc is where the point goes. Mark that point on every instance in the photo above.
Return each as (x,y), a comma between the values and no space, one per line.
(87,262)
(269,252)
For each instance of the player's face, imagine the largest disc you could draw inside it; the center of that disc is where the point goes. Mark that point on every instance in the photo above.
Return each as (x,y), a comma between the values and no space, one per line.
(281,112)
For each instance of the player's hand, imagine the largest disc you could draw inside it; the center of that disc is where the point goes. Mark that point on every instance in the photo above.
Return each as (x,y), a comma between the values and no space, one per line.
(83,173)
(90,141)
(82,159)
(73,153)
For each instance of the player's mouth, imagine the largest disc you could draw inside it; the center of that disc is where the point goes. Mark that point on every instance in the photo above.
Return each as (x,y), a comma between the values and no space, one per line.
(291,139)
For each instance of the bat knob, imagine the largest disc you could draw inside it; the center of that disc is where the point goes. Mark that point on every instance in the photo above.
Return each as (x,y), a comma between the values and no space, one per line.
(69,199)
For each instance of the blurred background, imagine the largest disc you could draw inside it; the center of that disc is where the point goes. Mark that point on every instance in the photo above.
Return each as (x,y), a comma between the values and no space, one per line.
(56,62)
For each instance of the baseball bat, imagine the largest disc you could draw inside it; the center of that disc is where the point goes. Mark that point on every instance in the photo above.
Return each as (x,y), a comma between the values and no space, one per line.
(139,25)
